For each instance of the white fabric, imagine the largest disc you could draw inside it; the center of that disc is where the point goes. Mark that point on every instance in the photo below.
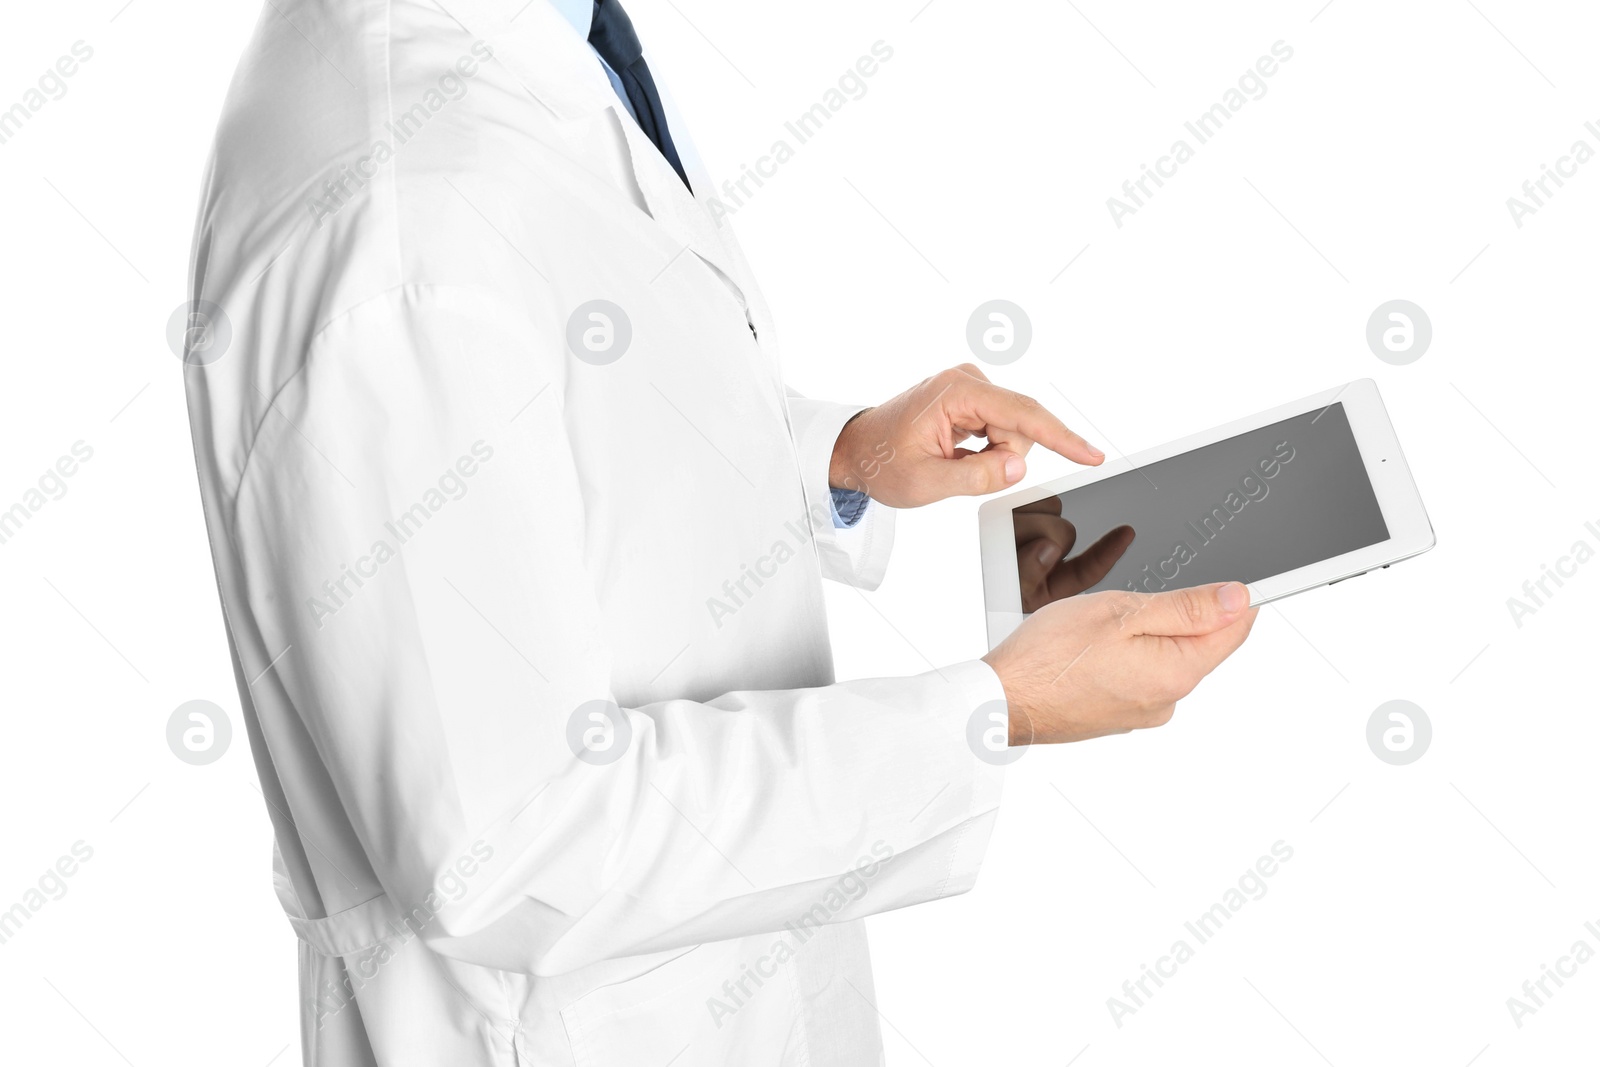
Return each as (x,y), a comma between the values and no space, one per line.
(438,534)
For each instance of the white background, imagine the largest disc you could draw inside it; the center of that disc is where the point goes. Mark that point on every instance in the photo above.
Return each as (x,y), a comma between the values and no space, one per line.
(977,165)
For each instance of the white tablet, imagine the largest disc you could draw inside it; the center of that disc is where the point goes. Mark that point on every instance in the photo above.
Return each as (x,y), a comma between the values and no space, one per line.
(1306,494)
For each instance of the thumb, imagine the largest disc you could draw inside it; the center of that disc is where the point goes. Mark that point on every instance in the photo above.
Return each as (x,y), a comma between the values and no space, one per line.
(978,473)
(1191,612)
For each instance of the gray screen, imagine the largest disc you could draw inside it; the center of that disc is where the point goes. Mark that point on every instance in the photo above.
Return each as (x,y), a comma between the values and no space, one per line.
(1243,509)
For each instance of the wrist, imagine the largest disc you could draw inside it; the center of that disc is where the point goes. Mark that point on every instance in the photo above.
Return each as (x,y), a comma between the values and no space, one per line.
(1019,724)
(841,464)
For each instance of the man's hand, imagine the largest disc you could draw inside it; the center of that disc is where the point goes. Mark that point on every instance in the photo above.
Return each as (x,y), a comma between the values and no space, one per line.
(907,452)
(1111,662)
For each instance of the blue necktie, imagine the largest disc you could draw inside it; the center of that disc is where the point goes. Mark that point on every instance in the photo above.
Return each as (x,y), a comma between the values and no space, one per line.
(611,35)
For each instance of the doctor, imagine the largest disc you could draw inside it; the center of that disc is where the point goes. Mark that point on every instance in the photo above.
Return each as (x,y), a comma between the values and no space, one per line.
(520,539)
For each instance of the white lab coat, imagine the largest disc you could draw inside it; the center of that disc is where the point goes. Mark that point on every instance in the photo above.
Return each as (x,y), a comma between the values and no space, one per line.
(439,534)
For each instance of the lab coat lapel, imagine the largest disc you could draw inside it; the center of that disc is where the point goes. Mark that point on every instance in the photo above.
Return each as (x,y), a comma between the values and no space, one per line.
(559,71)
(677,212)
(542,50)
(689,223)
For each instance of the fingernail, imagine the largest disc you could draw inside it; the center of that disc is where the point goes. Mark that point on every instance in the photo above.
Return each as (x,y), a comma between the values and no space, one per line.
(1049,554)
(1096,453)
(1014,469)
(1233,597)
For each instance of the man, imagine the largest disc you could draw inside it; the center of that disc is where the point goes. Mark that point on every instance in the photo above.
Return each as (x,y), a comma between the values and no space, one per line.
(519,540)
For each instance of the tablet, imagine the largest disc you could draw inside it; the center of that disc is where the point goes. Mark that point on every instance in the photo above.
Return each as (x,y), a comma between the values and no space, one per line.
(1306,494)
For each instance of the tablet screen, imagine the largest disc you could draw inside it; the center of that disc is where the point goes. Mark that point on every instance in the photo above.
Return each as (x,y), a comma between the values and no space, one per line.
(1246,508)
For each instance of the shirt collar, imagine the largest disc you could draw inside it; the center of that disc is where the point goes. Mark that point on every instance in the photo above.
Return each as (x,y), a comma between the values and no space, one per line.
(578,12)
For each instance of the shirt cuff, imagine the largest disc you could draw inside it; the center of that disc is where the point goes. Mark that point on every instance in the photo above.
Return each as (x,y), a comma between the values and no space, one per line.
(847,506)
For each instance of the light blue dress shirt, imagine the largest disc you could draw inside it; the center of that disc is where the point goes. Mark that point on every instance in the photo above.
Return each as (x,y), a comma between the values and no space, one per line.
(848,505)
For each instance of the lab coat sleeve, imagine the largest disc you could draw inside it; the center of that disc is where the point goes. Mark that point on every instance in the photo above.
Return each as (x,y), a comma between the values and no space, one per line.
(857,555)
(409,531)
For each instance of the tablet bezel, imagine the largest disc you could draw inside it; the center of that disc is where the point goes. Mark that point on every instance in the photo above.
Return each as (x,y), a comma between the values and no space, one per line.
(1410,533)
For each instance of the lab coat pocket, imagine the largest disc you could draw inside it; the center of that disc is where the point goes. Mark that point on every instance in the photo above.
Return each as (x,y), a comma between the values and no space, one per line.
(721,1003)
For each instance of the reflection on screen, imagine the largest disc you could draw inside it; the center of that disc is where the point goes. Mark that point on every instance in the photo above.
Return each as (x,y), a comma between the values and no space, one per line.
(1243,509)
